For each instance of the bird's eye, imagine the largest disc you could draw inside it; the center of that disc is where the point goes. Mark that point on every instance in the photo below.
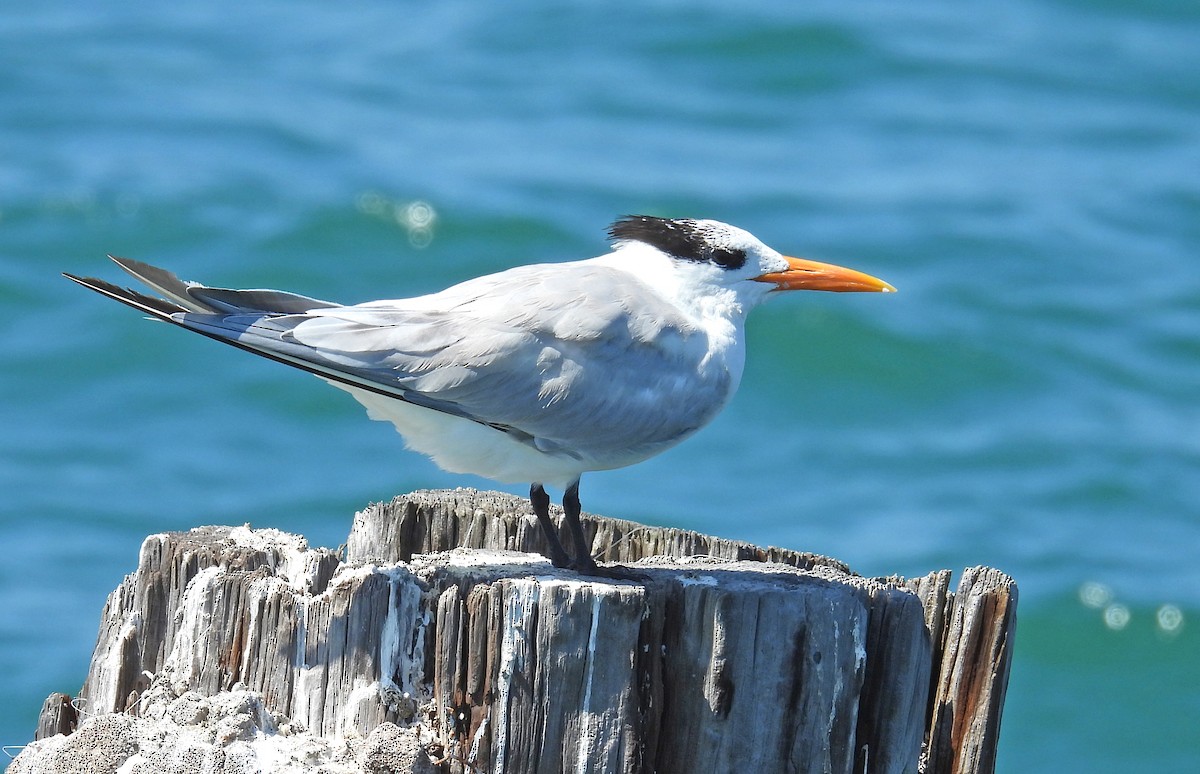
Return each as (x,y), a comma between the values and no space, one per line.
(728,258)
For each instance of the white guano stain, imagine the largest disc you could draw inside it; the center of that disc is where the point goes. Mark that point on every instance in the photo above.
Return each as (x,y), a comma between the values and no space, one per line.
(587,717)
(514,650)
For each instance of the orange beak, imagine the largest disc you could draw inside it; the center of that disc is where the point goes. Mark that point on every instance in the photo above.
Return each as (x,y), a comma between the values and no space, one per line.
(803,274)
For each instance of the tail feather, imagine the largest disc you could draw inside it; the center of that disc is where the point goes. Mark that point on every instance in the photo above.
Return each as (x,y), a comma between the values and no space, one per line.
(195,297)
(267,301)
(156,307)
(163,282)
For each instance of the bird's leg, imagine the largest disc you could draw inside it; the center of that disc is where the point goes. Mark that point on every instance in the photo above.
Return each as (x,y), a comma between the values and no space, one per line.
(571,510)
(583,561)
(541,509)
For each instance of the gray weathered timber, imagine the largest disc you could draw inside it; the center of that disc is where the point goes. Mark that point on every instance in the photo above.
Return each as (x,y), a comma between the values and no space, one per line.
(58,716)
(973,676)
(426,522)
(743,659)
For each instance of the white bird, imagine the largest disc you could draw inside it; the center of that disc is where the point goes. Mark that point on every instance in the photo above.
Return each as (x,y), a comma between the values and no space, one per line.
(537,374)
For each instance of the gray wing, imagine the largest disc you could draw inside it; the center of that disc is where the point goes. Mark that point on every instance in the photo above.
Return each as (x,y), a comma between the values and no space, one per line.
(253,320)
(570,354)
(563,355)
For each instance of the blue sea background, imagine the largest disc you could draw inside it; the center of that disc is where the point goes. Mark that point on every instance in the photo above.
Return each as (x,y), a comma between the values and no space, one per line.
(1026,173)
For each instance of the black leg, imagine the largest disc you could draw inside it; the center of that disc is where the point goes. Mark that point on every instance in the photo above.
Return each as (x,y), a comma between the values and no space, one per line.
(583,561)
(541,509)
(572,509)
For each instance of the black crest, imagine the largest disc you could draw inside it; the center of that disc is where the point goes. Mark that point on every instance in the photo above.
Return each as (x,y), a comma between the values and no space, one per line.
(685,239)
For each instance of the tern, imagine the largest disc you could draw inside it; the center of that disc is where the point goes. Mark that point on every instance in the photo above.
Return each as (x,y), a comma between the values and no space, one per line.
(533,375)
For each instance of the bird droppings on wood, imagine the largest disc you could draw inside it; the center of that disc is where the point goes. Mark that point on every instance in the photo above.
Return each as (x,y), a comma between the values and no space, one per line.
(481,656)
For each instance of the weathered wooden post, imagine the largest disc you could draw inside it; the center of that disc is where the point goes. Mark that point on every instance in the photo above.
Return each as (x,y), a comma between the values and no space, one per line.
(439,642)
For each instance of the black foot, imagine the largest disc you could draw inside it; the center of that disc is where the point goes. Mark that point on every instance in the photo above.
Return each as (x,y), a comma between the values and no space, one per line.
(612,571)
(582,563)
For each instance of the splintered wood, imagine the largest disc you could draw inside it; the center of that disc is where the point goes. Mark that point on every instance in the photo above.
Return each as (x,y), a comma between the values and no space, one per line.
(722,657)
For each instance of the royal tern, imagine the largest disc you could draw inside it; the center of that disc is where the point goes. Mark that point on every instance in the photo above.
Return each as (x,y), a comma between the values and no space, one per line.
(537,374)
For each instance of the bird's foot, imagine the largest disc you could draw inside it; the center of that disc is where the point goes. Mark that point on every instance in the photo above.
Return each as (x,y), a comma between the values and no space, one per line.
(588,566)
(582,563)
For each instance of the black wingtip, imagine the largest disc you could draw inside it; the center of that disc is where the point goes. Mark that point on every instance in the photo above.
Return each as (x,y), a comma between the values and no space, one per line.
(155,306)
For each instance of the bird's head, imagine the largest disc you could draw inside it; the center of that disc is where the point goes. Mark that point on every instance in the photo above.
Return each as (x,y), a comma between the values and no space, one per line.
(708,252)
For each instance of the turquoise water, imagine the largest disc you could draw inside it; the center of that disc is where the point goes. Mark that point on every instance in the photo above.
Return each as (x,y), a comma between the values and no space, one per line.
(1025,173)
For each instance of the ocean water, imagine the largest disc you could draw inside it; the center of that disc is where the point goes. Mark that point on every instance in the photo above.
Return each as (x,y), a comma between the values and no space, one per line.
(1025,173)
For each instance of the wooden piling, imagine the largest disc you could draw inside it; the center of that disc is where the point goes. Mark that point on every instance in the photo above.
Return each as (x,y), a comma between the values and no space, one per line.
(442,642)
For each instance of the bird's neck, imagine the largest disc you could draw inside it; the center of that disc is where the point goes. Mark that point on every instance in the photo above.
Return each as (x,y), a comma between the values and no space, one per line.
(721,314)
(710,307)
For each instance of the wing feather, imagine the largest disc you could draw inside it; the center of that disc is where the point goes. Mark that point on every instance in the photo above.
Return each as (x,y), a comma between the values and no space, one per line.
(578,357)
(584,355)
